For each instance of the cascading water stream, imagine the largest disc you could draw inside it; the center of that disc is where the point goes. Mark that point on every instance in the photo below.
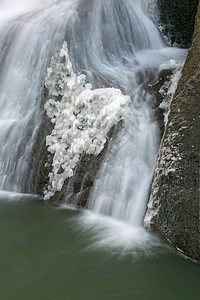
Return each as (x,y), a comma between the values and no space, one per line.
(127,171)
(115,44)
(122,48)
(30,33)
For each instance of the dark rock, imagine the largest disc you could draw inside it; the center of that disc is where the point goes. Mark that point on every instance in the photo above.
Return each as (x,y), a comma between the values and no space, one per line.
(177,18)
(174,201)
(76,190)
(41,160)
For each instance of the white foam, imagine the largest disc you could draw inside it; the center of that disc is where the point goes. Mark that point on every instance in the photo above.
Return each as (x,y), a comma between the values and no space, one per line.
(10,196)
(117,237)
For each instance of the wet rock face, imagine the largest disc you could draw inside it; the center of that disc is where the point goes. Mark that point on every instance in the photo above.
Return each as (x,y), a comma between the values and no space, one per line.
(173,209)
(76,190)
(178,19)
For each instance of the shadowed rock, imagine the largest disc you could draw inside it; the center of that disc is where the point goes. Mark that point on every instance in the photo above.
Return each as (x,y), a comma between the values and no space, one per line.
(178,19)
(173,209)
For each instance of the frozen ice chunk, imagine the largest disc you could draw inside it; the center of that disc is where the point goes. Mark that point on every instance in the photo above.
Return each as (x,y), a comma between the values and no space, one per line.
(81,116)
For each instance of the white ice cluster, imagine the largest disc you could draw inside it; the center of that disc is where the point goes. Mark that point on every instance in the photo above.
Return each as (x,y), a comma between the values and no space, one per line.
(170,86)
(81,116)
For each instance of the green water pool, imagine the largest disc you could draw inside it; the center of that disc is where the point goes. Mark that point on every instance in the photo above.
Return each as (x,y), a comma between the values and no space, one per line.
(43,255)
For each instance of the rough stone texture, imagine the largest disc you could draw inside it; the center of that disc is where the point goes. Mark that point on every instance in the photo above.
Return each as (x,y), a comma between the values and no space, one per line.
(174,200)
(76,190)
(41,160)
(178,19)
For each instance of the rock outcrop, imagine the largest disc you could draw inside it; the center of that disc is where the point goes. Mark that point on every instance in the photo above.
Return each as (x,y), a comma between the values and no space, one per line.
(173,210)
(81,118)
(178,19)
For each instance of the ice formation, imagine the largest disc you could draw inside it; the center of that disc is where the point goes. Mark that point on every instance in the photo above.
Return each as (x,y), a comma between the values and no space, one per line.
(81,116)
(168,155)
(169,88)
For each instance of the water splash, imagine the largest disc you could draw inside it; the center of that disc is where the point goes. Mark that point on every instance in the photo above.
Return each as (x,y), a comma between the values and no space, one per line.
(116,237)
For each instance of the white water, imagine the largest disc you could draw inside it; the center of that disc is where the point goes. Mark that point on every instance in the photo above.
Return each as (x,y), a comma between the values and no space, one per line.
(30,33)
(122,48)
(115,44)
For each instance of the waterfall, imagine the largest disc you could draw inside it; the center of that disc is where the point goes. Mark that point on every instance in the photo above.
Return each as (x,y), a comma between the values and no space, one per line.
(30,33)
(135,48)
(115,44)
(119,46)
(123,48)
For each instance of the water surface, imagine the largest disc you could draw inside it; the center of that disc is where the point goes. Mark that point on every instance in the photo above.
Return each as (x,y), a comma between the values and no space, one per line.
(44,254)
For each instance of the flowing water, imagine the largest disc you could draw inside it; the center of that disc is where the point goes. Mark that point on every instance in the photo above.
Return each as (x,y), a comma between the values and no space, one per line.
(43,254)
(113,42)
(30,33)
(119,46)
